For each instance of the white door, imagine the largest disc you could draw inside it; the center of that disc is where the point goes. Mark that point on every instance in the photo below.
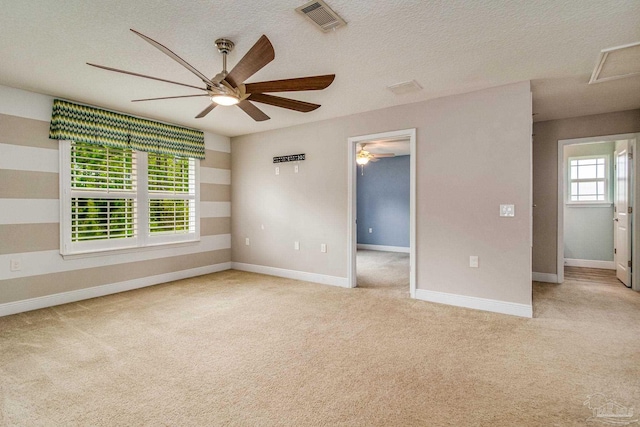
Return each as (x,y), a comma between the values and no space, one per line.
(622,227)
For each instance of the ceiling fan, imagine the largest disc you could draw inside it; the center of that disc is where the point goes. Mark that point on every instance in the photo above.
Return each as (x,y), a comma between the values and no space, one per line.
(229,88)
(363,156)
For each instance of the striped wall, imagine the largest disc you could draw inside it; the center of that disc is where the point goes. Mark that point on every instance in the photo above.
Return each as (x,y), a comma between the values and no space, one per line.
(30,220)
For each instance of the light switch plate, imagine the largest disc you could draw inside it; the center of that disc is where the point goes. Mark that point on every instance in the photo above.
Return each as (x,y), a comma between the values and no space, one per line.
(246,241)
(296,246)
(507,210)
(277,170)
(473,261)
(323,247)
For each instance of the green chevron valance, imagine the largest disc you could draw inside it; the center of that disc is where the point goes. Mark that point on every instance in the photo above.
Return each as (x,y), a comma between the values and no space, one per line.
(92,125)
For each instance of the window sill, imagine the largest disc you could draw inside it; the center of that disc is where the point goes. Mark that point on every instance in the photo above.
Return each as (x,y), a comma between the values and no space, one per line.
(128,250)
(589,204)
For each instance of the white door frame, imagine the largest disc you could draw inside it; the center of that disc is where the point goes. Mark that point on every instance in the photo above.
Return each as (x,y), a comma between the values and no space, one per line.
(561,198)
(352,210)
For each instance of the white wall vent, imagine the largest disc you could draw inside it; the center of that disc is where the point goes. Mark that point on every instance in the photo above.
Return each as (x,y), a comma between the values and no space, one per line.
(617,63)
(321,14)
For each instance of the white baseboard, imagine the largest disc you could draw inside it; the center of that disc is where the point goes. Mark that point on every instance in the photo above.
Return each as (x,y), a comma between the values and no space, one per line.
(383,248)
(589,263)
(112,288)
(544,277)
(292,274)
(514,309)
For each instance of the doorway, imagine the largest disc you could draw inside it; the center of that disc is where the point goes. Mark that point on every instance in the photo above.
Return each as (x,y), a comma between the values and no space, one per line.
(596,184)
(354,144)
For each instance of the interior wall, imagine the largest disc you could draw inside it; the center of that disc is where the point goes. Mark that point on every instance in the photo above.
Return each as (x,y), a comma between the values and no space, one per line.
(383,201)
(588,229)
(545,173)
(473,153)
(30,215)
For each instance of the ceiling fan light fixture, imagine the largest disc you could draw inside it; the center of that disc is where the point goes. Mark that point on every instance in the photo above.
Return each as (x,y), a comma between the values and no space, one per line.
(362,160)
(225,100)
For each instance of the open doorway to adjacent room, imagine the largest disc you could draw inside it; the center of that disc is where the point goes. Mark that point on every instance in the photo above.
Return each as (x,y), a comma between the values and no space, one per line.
(596,217)
(382,212)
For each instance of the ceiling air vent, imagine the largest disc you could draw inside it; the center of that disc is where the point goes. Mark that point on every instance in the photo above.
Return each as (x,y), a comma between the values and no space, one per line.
(405,87)
(321,14)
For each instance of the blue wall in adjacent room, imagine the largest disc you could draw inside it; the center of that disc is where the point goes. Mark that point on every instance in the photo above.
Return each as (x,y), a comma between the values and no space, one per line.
(383,202)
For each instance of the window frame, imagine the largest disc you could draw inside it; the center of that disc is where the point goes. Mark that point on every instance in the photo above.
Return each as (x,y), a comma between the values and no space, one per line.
(143,239)
(607,181)
(164,238)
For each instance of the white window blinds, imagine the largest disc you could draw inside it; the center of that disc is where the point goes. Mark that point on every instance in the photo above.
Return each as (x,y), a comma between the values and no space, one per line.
(117,198)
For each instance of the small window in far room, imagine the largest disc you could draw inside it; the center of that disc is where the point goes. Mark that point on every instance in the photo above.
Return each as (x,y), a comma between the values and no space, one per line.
(588,179)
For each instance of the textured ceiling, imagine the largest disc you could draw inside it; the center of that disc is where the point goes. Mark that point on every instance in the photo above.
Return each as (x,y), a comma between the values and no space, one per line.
(448,47)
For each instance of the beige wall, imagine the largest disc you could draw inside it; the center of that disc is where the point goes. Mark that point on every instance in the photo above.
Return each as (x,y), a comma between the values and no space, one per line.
(30,223)
(473,154)
(545,173)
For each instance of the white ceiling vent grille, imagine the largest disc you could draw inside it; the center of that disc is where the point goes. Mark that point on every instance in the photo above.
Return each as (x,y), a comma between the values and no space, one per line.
(321,14)
(616,63)
(405,87)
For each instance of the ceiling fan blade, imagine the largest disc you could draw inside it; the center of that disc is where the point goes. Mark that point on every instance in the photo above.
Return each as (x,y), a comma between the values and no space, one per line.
(291,85)
(258,56)
(173,56)
(384,155)
(277,101)
(206,110)
(144,76)
(168,97)
(374,160)
(255,113)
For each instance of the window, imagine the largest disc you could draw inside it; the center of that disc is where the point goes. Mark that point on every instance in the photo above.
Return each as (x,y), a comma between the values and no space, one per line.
(116,198)
(588,179)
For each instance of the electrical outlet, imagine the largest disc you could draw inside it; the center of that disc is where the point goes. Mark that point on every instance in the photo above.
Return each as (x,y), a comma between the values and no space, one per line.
(323,247)
(246,241)
(473,261)
(15,264)
(295,169)
(370,230)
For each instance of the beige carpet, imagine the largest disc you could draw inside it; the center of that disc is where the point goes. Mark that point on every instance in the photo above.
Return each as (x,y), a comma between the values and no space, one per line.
(386,272)
(243,349)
